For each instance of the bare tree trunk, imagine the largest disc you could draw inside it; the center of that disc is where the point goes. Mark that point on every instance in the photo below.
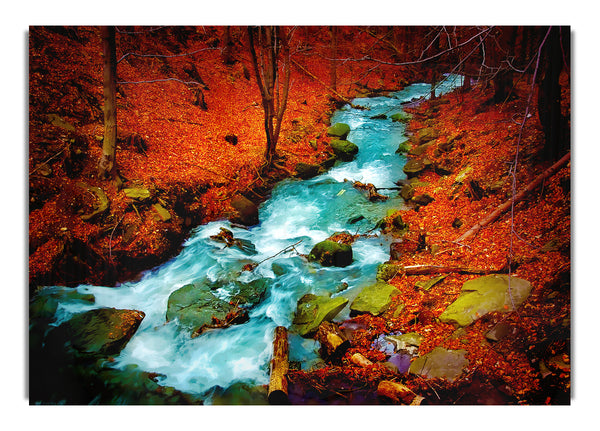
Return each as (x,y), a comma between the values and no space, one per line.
(270,40)
(333,71)
(107,163)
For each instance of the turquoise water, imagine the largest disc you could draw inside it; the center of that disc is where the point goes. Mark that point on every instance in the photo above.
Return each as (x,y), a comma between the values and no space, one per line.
(306,211)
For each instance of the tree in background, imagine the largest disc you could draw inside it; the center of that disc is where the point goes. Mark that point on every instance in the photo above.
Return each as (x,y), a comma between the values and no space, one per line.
(107,164)
(269,47)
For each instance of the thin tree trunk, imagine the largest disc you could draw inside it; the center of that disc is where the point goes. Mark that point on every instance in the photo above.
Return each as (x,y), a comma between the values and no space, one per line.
(107,164)
(518,197)
(333,65)
(266,64)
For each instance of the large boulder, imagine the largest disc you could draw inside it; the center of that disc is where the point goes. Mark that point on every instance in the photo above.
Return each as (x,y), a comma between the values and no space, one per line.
(344,150)
(440,363)
(374,299)
(484,295)
(331,253)
(247,211)
(312,310)
(339,130)
(102,331)
(196,307)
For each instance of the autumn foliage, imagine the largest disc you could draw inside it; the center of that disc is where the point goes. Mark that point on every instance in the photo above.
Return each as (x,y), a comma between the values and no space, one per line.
(191,132)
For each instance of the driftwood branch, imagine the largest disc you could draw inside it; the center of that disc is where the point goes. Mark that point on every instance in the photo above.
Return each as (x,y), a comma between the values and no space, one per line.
(518,197)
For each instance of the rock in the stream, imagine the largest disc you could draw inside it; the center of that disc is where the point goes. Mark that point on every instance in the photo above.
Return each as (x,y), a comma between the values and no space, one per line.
(195,307)
(442,363)
(401,117)
(308,170)
(102,331)
(344,150)
(486,294)
(374,299)
(247,211)
(331,253)
(312,310)
(339,130)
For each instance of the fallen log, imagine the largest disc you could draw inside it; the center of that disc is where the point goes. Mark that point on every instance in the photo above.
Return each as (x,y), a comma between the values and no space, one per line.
(278,385)
(518,197)
(333,343)
(397,392)
(440,269)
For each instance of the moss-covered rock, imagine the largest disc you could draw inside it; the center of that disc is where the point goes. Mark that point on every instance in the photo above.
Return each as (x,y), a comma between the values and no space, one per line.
(422,200)
(424,135)
(374,299)
(308,170)
(344,150)
(387,271)
(486,294)
(102,331)
(440,363)
(404,147)
(312,310)
(331,253)
(407,192)
(339,130)
(401,117)
(139,194)
(195,306)
(414,167)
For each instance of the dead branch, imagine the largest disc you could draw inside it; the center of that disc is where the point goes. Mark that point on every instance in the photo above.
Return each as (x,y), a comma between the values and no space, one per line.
(518,197)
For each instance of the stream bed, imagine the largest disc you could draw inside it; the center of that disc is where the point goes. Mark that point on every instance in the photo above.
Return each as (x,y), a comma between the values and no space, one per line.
(298,212)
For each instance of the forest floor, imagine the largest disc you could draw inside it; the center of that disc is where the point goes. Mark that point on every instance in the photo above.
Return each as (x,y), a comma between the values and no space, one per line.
(172,146)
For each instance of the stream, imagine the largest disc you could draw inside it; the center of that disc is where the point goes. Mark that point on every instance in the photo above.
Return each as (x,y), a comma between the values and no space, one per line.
(303,212)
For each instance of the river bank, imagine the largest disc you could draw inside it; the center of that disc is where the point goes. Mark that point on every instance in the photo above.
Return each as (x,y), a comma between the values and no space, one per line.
(470,147)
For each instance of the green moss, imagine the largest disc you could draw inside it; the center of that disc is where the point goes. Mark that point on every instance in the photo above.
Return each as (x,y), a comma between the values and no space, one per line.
(344,150)
(401,117)
(340,130)
(331,253)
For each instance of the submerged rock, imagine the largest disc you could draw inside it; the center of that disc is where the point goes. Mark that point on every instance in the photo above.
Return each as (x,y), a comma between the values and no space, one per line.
(339,130)
(486,294)
(374,299)
(344,150)
(441,363)
(312,310)
(331,253)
